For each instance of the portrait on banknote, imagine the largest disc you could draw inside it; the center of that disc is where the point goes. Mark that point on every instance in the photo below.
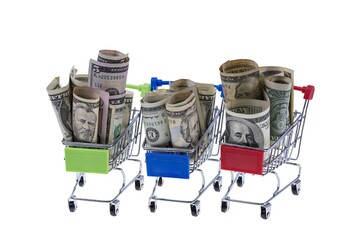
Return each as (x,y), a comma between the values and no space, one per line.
(243,132)
(189,127)
(84,122)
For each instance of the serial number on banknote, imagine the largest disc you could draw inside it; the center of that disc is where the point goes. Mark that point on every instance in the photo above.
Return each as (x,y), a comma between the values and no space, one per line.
(108,77)
(154,124)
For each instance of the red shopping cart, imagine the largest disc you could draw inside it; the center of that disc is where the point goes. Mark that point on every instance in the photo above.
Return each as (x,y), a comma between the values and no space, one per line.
(240,160)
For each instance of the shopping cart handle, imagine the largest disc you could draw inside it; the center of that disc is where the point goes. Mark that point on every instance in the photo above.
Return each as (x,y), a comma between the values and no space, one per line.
(143,88)
(219,88)
(155,83)
(308,91)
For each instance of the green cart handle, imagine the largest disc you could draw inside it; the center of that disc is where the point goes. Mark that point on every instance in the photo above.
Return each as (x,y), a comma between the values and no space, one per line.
(143,88)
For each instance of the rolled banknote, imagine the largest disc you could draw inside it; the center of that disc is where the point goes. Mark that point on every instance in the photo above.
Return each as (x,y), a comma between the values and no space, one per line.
(155,120)
(78,80)
(194,90)
(129,95)
(112,56)
(180,84)
(240,80)
(183,120)
(278,89)
(110,77)
(103,112)
(85,113)
(61,101)
(248,123)
(207,96)
(115,117)
(269,71)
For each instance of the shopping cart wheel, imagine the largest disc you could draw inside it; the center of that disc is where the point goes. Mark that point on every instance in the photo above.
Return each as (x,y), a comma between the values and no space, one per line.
(160,181)
(114,207)
(225,205)
(296,186)
(265,211)
(139,182)
(218,184)
(240,180)
(152,205)
(195,208)
(82,180)
(72,204)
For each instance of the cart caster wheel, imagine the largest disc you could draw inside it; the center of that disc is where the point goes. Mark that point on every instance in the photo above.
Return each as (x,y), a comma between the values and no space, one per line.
(240,180)
(265,211)
(114,207)
(296,187)
(139,182)
(195,208)
(82,180)
(218,184)
(160,181)
(152,206)
(72,205)
(225,205)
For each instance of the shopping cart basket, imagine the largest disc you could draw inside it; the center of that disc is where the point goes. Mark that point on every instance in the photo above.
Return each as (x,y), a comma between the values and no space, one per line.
(176,162)
(102,158)
(240,159)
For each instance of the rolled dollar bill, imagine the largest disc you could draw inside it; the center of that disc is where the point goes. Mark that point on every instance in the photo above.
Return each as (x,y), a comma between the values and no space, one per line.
(248,123)
(61,101)
(110,77)
(112,56)
(155,120)
(129,95)
(278,89)
(103,112)
(115,117)
(240,80)
(269,71)
(85,114)
(207,96)
(180,84)
(183,120)
(78,80)
(194,90)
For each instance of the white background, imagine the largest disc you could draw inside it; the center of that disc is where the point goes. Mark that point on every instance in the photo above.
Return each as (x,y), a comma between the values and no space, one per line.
(170,40)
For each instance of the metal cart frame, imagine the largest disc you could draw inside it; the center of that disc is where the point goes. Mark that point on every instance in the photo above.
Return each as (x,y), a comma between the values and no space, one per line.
(175,162)
(82,157)
(241,159)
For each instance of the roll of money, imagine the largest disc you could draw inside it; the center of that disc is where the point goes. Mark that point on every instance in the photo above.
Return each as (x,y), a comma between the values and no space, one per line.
(103,112)
(240,80)
(180,84)
(61,101)
(278,89)
(115,117)
(85,114)
(112,56)
(78,80)
(269,71)
(110,77)
(248,123)
(183,120)
(129,95)
(207,96)
(155,120)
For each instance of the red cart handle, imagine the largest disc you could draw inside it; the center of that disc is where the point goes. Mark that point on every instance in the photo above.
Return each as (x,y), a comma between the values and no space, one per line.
(308,91)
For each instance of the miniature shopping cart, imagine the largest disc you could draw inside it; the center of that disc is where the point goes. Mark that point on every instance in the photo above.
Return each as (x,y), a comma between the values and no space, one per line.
(179,163)
(102,158)
(240,159)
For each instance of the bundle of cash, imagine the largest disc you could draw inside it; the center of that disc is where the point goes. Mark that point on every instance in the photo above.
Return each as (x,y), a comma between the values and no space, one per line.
(240,80)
